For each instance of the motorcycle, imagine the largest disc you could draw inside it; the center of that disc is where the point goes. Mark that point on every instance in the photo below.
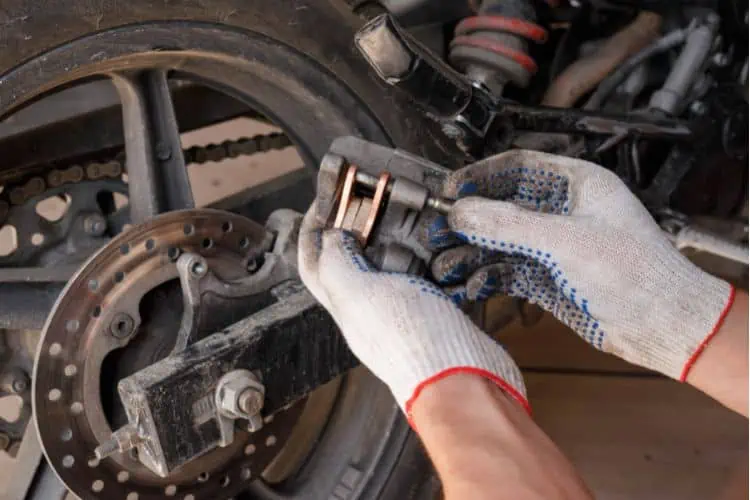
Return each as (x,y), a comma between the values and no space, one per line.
(162,350)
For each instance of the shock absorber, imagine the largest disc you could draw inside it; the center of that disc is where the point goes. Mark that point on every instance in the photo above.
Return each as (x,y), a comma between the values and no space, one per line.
(491,47)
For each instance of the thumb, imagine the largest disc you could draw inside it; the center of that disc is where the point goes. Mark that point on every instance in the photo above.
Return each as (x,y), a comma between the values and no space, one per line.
(342,264)
(507,227)
(309,244)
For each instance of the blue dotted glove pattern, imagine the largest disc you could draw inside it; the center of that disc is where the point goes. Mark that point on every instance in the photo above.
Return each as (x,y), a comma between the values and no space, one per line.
(486,267)
(534,275)
(533,189)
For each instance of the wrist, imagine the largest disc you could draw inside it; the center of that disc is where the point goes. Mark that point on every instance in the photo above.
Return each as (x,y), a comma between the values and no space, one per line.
(446,394)
(720,366)
(669,334)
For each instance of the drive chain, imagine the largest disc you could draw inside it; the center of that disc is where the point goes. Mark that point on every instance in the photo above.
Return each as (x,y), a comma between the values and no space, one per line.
(34,185)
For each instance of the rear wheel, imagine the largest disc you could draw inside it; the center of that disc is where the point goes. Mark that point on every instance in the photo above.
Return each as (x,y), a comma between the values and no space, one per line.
(361,446)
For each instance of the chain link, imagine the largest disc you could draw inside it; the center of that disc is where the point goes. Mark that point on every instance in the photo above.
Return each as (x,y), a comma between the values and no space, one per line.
(34,185)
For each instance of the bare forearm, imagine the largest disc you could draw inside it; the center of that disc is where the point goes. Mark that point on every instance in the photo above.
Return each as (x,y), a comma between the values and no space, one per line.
(721,369)
(484,445)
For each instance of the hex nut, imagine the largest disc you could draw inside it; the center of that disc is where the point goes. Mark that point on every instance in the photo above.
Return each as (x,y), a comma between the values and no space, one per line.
(238,389)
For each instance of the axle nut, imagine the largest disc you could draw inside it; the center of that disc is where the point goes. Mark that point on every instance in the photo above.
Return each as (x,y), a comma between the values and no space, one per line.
(239,394)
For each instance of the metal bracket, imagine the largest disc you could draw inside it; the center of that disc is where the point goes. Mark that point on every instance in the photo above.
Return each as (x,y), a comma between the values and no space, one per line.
(469,114)
(381,194)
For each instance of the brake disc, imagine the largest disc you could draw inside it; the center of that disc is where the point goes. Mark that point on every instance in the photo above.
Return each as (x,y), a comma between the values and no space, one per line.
(100,312)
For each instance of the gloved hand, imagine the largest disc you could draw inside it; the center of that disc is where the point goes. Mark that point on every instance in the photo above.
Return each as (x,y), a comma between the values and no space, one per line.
(569,236)
(402,327)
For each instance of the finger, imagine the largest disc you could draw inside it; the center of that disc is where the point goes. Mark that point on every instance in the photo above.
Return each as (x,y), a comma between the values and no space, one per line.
(341,262)
(513,175)
(497,278)
(456,264)
(309,243)
(433,232)
(457,294)
(508,228)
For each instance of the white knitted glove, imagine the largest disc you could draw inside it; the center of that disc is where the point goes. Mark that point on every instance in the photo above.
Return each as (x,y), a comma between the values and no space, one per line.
(573,239)
(402,327)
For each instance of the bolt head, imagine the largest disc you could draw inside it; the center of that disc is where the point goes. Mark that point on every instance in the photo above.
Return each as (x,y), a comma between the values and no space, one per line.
(250,401)
(122,325)
(698,108)
(20,384)
(163,152)
(94,224)
(198,268)
(253,265)
(721,59)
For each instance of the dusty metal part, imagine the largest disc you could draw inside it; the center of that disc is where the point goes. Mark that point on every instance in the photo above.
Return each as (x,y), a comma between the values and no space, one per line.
(687,68)
(484,121)
(587,72)
(67,240)
(123,439)
(292,345)
(71,420)
(239,395)
(685,236)
(380,199)
(28,459)
(57,274)
(16,365)
(24,306)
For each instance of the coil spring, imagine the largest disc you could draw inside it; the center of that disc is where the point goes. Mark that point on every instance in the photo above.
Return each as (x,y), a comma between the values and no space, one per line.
(492,48)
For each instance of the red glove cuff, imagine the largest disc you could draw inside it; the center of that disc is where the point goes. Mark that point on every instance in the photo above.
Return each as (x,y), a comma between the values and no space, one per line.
(691,361)
(502,384)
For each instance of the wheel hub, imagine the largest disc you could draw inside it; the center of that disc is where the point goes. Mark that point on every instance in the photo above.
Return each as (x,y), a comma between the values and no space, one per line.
(116,309)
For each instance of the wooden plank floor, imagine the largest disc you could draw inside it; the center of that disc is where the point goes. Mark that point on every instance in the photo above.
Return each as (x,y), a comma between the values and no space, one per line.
(631,434)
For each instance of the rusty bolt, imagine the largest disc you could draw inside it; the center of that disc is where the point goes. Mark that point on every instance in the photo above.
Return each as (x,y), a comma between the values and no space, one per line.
(250,401)
(240,394)
(122,325)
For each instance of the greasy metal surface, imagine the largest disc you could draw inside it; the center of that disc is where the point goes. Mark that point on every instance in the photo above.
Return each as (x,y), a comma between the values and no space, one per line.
(70,418)
(293,347)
